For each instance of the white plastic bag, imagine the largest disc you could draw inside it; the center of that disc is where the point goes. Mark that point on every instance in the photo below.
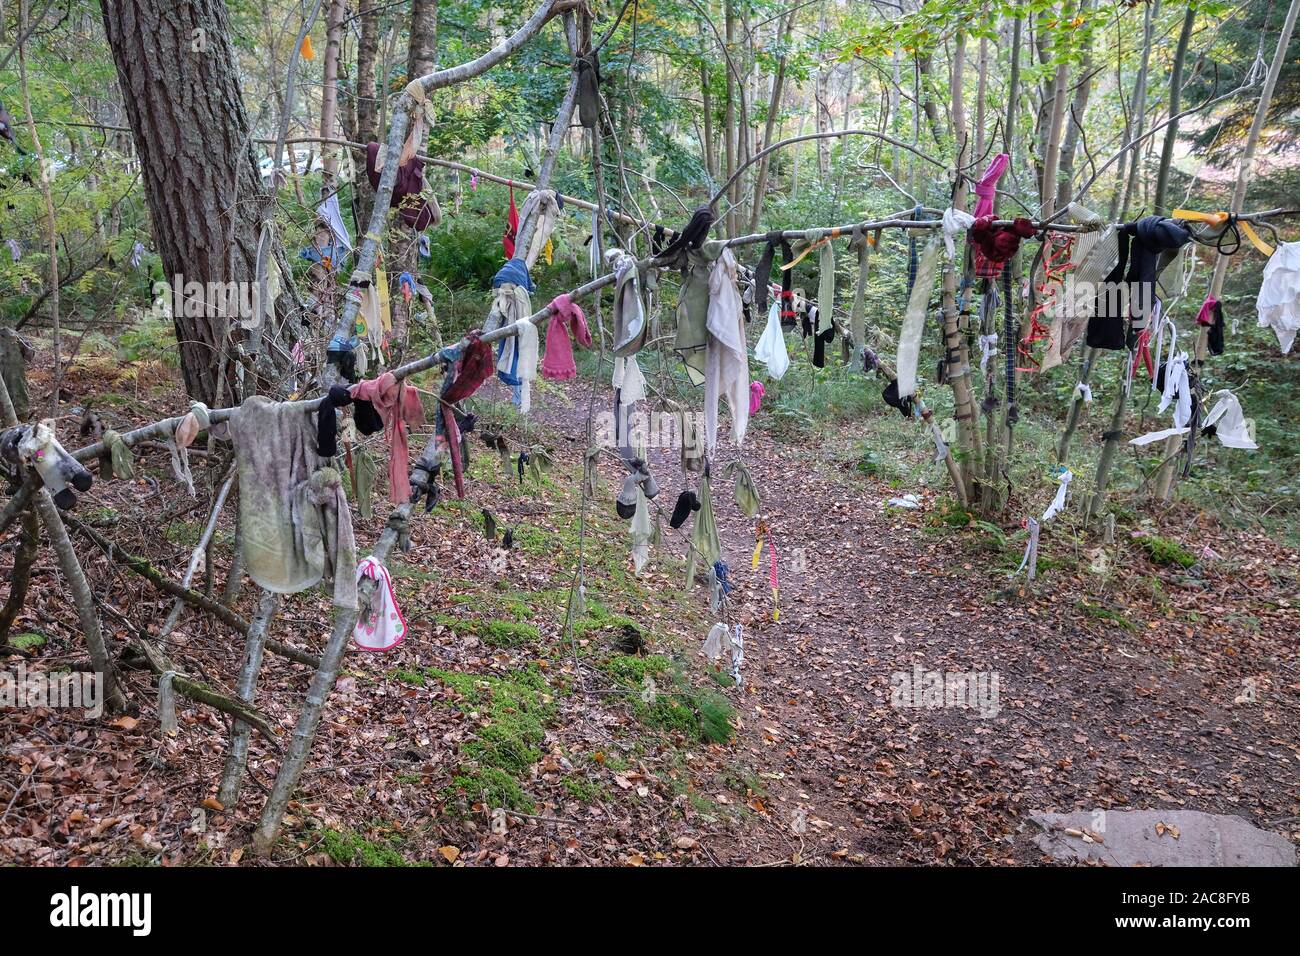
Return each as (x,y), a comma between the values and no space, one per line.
(771,347)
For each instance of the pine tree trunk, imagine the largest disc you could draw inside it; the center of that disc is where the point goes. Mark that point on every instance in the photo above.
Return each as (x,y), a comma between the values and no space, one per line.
(176,68)
(405,249)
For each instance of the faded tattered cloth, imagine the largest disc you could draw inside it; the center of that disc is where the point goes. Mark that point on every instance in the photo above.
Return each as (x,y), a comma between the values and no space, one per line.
(294,521)
(517,362)
(693,311)
(542,204)
(909,338)
(1228,422)
(726,361)
(642,531)
(825,286)
(630,325)
(398,405)
(567,318)
(706,547)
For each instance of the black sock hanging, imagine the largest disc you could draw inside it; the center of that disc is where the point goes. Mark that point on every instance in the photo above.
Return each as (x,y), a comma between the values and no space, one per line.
(787,288)
(763,273)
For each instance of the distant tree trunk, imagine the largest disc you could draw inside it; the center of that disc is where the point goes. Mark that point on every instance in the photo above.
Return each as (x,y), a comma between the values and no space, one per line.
(51,228)
(420,58)
(729,116)
(706,101)
(176,69)
(329,97)
(769,130)
(1073,127)
(13,368)
(956,345)
(1133,131)
(424,38)
(367,106)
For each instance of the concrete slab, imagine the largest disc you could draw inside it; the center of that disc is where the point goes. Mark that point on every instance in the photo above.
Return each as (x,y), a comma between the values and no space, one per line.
(1160,838)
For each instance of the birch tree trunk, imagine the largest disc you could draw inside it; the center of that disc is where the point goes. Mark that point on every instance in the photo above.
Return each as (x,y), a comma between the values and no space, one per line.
(329,97)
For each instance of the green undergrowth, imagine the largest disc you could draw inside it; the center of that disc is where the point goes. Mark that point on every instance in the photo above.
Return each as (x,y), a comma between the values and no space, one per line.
(351,848)
(664,699)
(1166,551)
(28,641)
(510,716)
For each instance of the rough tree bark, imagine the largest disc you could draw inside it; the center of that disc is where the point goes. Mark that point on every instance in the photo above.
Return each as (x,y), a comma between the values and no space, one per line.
(176,68)
(404,252)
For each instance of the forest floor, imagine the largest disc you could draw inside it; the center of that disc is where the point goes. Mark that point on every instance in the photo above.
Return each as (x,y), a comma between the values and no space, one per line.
(1147,674)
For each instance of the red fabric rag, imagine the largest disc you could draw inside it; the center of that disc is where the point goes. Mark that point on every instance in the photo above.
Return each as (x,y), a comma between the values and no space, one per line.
(398,406)
(558,362)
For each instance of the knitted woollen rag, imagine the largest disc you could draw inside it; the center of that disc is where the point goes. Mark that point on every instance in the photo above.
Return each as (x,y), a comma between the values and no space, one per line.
(472,369)
(327,423)
(996,244)
(986,191)
(706,548)
(558,362)
(1144,247)
(918,304)
(398,406)
(763,271)
(820,341)
(686,503)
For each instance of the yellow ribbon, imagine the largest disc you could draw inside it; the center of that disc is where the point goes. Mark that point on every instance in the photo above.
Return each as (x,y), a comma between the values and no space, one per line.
(833,234)
(758,550)
(1221,217)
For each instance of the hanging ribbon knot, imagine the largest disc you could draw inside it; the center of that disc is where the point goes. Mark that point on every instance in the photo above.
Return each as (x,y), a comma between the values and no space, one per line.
(1232,225)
